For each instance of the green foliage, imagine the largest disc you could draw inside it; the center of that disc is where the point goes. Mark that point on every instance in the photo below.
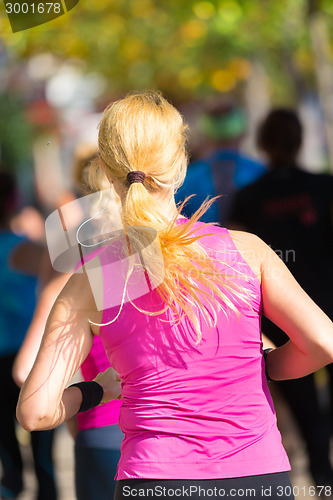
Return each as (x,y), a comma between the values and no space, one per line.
(185,47)
(15,132)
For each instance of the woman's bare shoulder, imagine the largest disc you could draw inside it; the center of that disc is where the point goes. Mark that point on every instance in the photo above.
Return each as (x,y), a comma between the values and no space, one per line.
(252,248)
(245,238)
(78,296)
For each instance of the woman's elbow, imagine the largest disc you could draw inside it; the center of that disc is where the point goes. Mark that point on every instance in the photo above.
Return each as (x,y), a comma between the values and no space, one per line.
(32,421)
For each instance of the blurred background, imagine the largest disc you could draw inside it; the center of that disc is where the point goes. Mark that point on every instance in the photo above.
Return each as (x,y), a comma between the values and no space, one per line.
(55,80)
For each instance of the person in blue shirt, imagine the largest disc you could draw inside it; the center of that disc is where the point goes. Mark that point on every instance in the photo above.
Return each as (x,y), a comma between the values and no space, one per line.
(20,261)
(223,168)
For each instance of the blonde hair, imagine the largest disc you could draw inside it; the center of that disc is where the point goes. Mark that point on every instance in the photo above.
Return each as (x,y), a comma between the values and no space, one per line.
(85,154)
(145,132)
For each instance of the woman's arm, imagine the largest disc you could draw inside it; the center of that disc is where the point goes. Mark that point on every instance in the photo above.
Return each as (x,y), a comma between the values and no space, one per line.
(286,304)
(291,309)
(43,401)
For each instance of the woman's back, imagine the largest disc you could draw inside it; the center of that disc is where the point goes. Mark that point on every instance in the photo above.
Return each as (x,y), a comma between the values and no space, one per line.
(195,411)
(190,409)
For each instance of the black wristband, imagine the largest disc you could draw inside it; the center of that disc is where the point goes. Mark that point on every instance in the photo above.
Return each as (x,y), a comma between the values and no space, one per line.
(92,394)
(266,351)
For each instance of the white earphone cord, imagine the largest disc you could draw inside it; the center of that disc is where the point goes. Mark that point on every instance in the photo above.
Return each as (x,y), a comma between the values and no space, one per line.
(88,220)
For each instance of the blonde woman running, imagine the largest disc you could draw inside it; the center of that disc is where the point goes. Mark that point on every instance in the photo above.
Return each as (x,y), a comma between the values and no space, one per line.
(197,415)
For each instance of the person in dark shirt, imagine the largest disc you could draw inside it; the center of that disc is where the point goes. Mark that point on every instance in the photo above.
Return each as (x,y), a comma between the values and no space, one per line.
(292,210)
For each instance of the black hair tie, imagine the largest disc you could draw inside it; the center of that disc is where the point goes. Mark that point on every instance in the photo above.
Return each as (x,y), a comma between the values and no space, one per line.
(136,176)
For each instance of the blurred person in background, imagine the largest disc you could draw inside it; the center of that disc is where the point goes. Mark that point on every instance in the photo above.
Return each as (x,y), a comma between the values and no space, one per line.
(20,261)
(223,168)
(196,407)
(30,223)
(292,211)
(96,432)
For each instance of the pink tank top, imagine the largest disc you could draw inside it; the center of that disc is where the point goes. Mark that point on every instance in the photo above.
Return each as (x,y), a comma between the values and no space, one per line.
(107,414)
(194,412)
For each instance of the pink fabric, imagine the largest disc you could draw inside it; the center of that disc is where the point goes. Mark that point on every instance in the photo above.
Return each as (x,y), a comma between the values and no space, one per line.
(194,412)
(107,414)
(95,363)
